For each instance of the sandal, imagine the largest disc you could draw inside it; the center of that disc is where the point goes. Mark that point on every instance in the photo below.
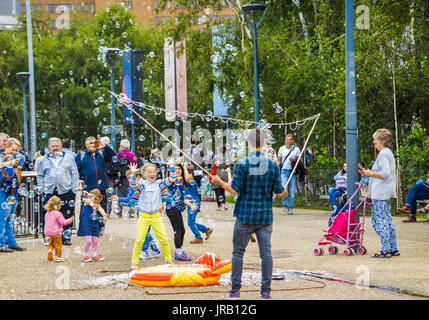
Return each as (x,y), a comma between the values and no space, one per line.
(423,210)
(382,255)
(395,253)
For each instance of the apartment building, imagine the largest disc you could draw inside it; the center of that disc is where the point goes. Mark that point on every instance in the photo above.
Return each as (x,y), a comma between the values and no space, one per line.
(145,10)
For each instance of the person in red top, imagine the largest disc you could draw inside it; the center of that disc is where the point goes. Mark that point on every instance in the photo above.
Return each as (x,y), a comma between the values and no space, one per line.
(54,221)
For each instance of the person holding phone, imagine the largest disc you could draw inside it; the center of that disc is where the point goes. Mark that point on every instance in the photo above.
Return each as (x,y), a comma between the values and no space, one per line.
(91,164)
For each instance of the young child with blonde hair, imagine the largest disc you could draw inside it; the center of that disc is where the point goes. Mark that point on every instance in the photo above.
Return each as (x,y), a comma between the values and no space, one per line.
(149,195)
(89,224)
(149,243)
(54,221)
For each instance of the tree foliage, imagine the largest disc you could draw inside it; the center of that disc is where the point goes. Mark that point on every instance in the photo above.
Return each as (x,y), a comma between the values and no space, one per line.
(301,47)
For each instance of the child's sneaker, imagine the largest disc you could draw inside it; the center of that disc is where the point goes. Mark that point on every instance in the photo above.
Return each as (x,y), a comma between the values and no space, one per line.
(182,257)
(134,266)
(98,258)
(50,255)
(59,259)
(86,259)
(154,254)
(143,256)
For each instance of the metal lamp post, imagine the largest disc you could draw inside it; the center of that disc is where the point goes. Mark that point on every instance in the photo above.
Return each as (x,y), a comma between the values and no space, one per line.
(23,81)
(253,8)
(112,58)
(351,122)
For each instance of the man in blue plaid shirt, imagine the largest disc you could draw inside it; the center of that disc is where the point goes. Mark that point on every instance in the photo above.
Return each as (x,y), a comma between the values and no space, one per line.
(255,180)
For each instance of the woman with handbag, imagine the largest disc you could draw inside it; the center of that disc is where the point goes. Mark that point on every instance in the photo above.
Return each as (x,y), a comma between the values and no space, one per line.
(418,192)
(8,195)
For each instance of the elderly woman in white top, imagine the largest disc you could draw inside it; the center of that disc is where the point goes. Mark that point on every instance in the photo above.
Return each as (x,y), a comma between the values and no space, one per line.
(382,188)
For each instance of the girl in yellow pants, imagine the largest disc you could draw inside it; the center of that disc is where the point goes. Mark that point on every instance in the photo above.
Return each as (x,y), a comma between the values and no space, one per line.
(145,220)
(149,203)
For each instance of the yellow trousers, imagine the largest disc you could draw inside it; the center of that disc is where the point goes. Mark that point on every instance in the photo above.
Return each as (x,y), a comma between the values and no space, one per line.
(145,220)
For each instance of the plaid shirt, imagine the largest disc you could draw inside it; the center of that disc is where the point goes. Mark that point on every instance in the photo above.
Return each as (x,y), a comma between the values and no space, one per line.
(255,179)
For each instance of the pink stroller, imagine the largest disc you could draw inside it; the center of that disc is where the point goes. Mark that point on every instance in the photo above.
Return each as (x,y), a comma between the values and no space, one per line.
(344,230)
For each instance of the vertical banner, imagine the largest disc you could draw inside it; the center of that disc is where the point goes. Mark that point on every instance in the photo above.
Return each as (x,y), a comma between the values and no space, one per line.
(182,94)
(220,109)
(169,80)
(132,83)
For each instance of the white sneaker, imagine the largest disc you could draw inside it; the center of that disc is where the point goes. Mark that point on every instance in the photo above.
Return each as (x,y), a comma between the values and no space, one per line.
(143,256)
(290,211)
(285,211)
(153,254)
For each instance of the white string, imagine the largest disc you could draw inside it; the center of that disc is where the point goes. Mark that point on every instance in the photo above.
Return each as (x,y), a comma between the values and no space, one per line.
(125,100)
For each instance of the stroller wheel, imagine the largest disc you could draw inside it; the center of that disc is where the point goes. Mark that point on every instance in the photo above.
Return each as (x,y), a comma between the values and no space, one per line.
(333,250)
(348,252)
(361,250)
(318,252)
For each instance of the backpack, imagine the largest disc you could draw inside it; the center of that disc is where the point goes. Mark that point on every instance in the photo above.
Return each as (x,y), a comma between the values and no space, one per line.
(117,167)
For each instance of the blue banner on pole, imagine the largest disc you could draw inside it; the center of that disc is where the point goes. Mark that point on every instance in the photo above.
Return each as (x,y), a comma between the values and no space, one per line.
(132,83)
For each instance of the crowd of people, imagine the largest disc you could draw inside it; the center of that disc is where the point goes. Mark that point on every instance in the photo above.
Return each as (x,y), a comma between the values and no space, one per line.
(149,186)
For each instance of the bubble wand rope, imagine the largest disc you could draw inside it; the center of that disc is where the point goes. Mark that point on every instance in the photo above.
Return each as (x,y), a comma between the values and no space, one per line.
(302,151)
(171,142)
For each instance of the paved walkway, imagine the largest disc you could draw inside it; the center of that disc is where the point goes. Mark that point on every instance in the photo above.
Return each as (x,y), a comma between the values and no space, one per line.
(28,274)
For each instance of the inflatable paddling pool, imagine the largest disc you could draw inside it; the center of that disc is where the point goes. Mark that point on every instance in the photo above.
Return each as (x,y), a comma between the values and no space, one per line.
(206,271)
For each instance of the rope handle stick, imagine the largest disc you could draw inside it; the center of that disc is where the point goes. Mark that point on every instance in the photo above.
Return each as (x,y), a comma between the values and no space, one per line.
(302,151)
(171,142)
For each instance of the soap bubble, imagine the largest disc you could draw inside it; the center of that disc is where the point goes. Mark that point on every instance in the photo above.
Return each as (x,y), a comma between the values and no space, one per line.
(4,206)
(85,195)
(141,138)
(94,215)
(110,190)
(11,200)
(44,135)
(71,203)
(31,194)
(37,189)
(242,94)
(96,112)
(151,54)
(67,234)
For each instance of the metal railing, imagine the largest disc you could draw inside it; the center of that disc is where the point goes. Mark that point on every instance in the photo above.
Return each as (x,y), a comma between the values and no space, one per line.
(28,213)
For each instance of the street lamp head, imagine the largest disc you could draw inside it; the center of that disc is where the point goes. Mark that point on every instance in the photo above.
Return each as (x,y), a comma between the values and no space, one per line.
(23,77)
(111,55)
(253,7)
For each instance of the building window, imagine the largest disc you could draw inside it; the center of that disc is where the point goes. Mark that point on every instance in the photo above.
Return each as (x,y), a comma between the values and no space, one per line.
(155,4)
(40,6)
(92,8)
(157,20)
(130,4)
(85,7)
(162,20)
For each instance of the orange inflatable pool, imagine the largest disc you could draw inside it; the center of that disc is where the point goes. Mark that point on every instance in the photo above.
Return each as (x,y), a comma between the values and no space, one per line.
(206,271)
